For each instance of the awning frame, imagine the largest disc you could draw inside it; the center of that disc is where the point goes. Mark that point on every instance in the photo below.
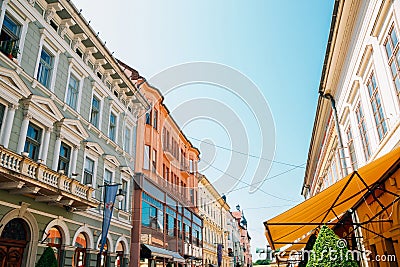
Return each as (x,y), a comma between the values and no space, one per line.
(367,191)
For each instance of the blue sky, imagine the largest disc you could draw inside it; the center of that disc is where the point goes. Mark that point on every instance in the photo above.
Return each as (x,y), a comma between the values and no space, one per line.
(279,45)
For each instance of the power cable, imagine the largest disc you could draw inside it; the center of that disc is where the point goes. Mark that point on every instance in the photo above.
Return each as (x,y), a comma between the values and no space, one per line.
(250,155)
(239,180)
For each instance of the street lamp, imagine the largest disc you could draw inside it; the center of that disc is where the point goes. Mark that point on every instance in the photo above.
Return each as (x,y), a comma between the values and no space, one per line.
(120,196)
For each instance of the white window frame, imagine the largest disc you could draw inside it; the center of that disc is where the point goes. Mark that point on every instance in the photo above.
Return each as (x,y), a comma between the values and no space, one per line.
(106,168)
(93,157)
(146,156)
(112,111)
(42,127)
(56,57)
(128,149)
(101,99)
(80,87)
(4,121)
(127,196)
(24,29)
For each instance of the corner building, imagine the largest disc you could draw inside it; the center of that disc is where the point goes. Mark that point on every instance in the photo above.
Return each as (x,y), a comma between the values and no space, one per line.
(167,230)
(352,176)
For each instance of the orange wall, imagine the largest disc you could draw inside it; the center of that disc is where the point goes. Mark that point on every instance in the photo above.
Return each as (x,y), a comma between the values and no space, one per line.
(148,135)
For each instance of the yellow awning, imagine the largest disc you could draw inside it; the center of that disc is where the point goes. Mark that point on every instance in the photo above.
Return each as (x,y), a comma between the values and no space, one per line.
(295,224)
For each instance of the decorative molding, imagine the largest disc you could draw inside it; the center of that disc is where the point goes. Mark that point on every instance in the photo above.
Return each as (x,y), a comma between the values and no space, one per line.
(77,41)
(95,147)
(51,11)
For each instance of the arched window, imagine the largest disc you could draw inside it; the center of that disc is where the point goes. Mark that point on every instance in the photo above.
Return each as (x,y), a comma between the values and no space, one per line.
(54,240)
(79,259)
(120,255)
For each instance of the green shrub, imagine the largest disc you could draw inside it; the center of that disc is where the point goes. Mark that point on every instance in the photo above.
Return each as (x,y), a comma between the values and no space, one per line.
(330,251)
(48,259)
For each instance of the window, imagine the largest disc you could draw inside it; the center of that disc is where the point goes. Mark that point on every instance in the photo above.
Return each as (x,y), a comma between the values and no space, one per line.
(146,157)
(67,40)
(127,140)
(9,37)
(155,118)
(363,131)
(54,240)
(32,143)
(122,205)
(45,68)
(88,171)
(72,92)
(152,213)
(148,117)
(191,166)
(2,112)
(108,84)
(54,25)
(107,180)
(107,176)
(99,75)
(154,161)
(91,65)
(392,52)
(352,151)
(79,52)
(95,112)
(376,104)
(79,258)
(64,158)
(112,127)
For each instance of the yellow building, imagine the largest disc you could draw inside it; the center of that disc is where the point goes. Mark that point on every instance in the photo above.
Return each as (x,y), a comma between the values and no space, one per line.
(213,209)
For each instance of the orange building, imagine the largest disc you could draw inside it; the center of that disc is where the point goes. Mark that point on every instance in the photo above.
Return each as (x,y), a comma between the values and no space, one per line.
(167,229)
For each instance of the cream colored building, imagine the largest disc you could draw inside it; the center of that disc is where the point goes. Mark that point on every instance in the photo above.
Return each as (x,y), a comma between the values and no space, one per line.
(213,209)
(347,182)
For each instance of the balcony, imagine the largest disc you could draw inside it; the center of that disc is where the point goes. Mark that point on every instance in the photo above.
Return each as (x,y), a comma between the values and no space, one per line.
(168,152)
(21,175)
(169,188)
(185,171)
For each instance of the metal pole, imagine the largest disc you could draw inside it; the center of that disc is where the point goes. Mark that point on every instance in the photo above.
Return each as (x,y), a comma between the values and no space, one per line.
(340,140)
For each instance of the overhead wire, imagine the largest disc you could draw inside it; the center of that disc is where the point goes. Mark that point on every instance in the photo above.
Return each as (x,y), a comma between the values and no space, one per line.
(247,154)
(240,180)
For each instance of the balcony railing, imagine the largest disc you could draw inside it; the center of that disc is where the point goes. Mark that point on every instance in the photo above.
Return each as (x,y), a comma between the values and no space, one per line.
(22,175)
(173,190)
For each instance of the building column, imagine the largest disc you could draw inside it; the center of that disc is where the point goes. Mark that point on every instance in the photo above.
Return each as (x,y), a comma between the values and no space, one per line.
(45,149)
(23,133)
(69,252)
(74,157)
(5,139)
(56,155)
(91,257)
